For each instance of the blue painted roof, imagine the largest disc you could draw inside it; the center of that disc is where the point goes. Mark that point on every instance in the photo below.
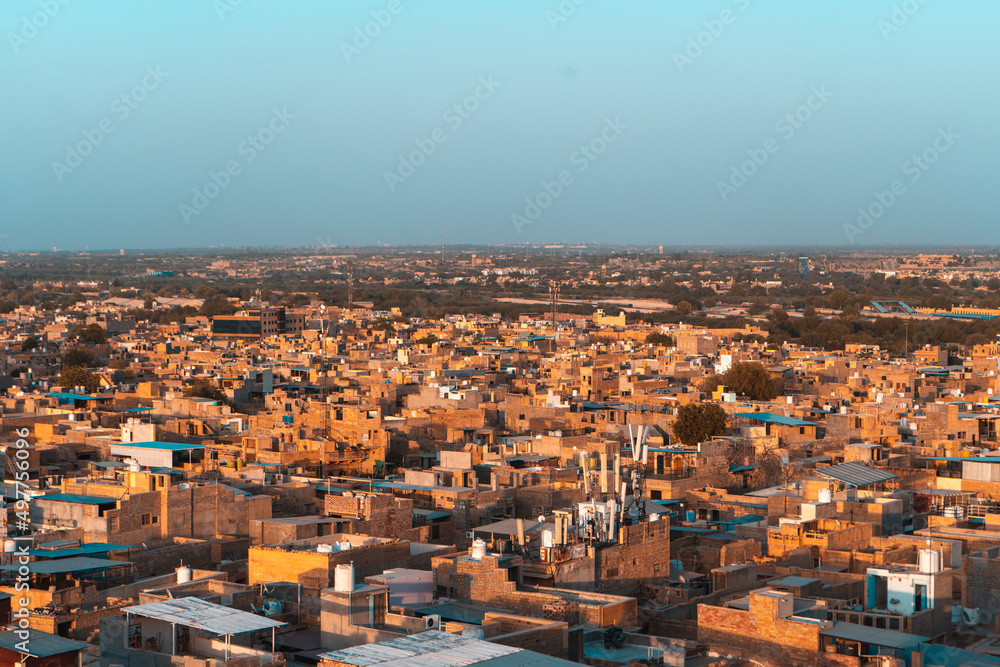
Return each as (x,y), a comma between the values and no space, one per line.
(66,396)
(769,418)
(82,550)
(78,498)
(153,444)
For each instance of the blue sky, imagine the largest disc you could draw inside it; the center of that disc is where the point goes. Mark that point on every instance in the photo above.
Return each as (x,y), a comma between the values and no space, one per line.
(594,122)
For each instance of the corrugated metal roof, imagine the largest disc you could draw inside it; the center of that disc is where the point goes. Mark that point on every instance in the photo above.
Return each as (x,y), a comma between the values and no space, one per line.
(876,636)
(39,644)
(856,474)
(198,613)
(433,647)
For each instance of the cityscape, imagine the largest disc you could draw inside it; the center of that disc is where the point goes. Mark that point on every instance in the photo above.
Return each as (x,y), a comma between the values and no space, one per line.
(531,455)
(527,334)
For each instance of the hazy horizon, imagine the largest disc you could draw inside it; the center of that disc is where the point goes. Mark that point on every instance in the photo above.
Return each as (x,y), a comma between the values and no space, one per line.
(734,122)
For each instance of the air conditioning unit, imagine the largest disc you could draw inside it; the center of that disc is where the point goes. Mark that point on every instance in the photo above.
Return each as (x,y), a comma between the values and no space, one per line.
(432,622)
(469,534)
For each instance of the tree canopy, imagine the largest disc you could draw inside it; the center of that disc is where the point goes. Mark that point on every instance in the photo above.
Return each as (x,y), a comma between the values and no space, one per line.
(698,422)
(751,379)
(202,388)
(77,356)
(79,376)
(92,333)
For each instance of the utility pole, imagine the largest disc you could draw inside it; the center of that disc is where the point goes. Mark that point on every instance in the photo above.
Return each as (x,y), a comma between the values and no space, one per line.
(554,292)
(350,286)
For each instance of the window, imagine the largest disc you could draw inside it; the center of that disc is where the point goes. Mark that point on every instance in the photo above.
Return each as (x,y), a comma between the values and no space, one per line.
(611,573)
(146,519)
(656,567)
(135,636)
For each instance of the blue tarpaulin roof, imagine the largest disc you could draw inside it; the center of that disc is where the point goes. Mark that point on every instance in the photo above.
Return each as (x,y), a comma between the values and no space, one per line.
(769,418)
(78,498)
(66,397)
(152,444)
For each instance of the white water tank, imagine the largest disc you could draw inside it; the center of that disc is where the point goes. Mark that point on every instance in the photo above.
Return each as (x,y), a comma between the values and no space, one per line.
(930,561)
(344,545)
(473,633)
(825,496)
(954,512)
(343,578)
(183,486)
(9,546)
(478,548)
(183,574)
(324,548)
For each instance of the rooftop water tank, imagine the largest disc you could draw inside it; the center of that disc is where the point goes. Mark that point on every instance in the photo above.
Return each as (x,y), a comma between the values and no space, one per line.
(478,548)
(343,578)
(825,496)
(324,548)
(930,561)
(183,574)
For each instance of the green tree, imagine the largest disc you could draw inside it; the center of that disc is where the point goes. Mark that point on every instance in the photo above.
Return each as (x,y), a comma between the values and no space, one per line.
(29,344)
(751,379)
(684,308)
(698,422)
(709,383)
(92,333)
(77,356)
(79,376)
(657,338)
(202,388)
